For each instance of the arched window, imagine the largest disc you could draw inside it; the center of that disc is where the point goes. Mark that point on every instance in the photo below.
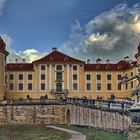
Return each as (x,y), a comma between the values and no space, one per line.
(66,59)
(75,67)
(107,67)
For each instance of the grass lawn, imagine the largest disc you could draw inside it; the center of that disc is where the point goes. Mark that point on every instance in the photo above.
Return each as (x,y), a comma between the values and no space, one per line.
(30,132)
(95,135)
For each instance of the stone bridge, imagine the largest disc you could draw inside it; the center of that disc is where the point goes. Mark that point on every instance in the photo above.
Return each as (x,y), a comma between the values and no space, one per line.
(65,114)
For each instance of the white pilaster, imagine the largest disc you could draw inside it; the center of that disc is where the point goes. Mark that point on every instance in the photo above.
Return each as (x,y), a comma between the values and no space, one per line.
(50,75)
(68,75)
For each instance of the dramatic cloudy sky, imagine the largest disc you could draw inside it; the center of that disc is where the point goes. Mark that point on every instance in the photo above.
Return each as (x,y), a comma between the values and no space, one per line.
(86,29)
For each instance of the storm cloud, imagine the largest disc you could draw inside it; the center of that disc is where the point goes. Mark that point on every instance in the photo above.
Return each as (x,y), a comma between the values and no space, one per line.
(111,35)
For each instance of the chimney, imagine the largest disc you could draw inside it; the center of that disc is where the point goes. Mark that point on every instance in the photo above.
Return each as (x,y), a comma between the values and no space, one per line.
(126,58)
(98,61)
(16,60)
(23,61)
(54,49)
(108,61)
(88,61)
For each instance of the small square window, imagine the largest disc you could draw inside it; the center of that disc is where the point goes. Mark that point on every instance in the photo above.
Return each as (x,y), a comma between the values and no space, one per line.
(20,76)
(42,67)
(88,77)
(119,77)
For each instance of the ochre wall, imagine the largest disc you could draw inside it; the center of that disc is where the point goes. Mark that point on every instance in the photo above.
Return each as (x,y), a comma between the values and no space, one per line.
(81,92)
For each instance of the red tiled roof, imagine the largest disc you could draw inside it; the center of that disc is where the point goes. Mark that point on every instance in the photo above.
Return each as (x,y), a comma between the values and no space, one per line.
(19,67)
(57,56)
(121,65)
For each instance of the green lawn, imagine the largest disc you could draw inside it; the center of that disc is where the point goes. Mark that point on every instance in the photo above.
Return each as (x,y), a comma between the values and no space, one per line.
(30,132)
(95,135)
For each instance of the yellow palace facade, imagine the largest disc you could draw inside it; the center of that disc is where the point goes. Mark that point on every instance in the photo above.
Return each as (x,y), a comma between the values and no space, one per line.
(58,74)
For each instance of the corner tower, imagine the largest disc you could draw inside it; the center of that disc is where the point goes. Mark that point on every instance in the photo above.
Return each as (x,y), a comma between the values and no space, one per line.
(137,56)
(3,55)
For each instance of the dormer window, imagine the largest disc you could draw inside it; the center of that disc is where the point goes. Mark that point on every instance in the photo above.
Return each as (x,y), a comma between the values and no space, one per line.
(97,67)
(119,67)
(66,59)
(51,59)
(107,67)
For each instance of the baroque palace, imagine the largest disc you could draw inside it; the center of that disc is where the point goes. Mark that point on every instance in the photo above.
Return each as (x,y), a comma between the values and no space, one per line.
(58,74)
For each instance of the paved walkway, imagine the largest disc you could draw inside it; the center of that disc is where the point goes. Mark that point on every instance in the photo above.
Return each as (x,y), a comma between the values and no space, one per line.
(74,134)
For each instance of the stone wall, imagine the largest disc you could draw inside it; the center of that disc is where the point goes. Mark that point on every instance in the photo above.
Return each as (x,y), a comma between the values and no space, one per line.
(100,119)
(64,114)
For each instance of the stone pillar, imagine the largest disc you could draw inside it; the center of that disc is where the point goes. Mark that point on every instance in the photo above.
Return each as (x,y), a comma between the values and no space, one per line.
(3,54)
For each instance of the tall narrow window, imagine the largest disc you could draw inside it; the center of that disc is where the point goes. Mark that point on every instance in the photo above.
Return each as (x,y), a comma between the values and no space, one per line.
(119,87)
(109,77)
(126,85)
(109,86)
(75,86)
(132,85)
(11,86)
(43,77)
(30,76)
(88,86)
(20,86)
(30,86)
(74,76)
(43,86)
(11,77)
(99,87)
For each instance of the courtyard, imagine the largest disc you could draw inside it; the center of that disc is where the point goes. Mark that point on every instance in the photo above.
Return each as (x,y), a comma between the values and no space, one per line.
(30,132)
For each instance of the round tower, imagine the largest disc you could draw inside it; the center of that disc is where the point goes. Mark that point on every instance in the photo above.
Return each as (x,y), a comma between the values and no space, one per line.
(137,56)
(3,55)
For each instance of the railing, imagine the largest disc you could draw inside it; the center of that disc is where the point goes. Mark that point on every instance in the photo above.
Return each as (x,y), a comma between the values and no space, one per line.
(63,91)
